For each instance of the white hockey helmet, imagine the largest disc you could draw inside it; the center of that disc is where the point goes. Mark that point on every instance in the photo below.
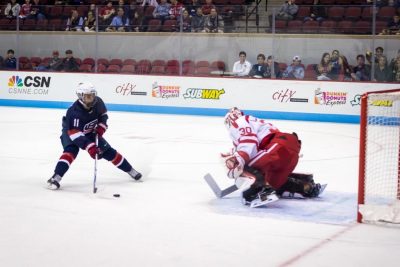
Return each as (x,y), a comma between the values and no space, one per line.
(86,88)
(232,115)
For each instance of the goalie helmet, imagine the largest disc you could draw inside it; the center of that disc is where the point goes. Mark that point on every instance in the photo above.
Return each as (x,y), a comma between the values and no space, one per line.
(86,93)
(232,115)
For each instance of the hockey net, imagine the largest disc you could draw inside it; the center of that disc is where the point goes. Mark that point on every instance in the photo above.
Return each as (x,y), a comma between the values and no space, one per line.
(379,166)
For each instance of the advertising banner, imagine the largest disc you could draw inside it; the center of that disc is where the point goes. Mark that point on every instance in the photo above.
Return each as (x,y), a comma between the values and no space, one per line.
(310,100)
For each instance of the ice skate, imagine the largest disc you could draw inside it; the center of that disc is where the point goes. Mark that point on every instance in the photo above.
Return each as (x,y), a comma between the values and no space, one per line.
(265,197)
(54,182)
(135,174)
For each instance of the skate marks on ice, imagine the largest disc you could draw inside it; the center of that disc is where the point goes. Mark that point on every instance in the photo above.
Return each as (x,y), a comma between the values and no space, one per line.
(331,208)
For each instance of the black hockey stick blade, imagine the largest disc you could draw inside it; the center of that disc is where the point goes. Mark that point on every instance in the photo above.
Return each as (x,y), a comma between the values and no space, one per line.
(216,189)
(94,190)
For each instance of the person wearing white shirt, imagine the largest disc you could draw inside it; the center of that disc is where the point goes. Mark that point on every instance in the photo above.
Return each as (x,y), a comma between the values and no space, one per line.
(242,67)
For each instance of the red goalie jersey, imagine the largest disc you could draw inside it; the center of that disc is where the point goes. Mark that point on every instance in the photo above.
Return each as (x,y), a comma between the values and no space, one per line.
(261,145)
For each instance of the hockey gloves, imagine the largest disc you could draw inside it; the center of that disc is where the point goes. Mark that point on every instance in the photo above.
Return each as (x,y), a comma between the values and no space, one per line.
(93,150)
(235,165)
(100,129)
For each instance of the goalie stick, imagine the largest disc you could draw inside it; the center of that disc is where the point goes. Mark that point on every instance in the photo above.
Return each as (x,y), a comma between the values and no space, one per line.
(219,193)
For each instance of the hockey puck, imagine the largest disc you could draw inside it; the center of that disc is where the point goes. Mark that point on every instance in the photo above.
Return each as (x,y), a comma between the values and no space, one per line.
(116,195)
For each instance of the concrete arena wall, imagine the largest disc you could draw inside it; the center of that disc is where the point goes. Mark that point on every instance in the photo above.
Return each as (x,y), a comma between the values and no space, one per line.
(194,46)
(273,99)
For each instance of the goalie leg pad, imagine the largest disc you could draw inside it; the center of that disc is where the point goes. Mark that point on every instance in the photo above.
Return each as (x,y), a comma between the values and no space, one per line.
(306,177)
(293,185)
(305,188)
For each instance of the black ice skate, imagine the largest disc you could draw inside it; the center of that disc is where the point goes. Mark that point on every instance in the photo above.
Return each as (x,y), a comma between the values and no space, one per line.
(135,174)
(265,197)
(54,182)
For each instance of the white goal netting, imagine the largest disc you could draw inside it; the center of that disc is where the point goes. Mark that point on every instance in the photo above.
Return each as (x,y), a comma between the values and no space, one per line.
(380,158)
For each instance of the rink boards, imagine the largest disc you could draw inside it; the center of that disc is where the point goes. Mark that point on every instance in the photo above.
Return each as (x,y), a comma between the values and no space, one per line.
(274,99)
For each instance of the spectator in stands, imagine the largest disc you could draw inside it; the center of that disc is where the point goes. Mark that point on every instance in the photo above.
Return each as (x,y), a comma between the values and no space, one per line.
(150,3)
(206,8)
(185,23)
(119,23)
(75,22)
(361,72)
(378,53)
(25,10)
(288,11)
(106,15)
(368,58)
(69,63)
(272,69)
(396,70)
(12,9)
(192,8)
(335,64)
(126,8)
(317,12)
(162,10)
(294,70)
(382,71)
(55,63)
(136,21)
(345,69)
(89,23)
(242,67)
(198,21)
(175,10)
(10,61)
(37,10)
(394,25)
(213,22)
(258,70)
(324,68)
(396,58)
(93,8)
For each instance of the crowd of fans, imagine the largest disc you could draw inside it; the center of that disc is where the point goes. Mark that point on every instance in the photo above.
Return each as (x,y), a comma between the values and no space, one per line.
(177,15)
(332,66)
(124,16)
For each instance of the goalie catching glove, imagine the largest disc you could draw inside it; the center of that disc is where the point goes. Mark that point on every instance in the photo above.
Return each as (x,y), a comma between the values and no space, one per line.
(235,164)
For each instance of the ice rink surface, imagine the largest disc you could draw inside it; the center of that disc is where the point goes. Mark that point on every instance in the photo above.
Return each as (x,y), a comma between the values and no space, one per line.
(172,218)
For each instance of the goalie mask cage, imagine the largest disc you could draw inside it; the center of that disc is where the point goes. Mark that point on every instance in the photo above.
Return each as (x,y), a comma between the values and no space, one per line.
(379,165)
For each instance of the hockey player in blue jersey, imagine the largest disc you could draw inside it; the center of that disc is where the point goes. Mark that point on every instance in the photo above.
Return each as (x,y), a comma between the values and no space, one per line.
(84,119)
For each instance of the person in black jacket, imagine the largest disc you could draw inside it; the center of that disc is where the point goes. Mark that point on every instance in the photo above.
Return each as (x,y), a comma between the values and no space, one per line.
(69,63)
(317,12)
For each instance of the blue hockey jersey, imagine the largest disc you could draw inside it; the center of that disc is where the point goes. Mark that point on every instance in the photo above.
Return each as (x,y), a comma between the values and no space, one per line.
(79,123)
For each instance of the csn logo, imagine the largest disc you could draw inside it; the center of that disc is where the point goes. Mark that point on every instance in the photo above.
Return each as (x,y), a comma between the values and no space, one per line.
(29,81)
(29,85)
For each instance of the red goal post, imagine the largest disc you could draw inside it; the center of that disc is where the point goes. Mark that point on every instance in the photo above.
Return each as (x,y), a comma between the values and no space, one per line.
(379,163)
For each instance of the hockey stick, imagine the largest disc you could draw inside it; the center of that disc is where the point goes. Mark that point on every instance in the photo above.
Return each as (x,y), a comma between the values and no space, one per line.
(219,193)
(95,166)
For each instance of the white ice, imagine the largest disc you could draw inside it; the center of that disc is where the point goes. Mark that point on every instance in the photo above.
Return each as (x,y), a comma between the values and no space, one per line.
(172,218)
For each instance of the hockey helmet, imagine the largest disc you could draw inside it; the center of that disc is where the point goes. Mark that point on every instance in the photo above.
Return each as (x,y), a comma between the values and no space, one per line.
(232,115)
(86,93)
